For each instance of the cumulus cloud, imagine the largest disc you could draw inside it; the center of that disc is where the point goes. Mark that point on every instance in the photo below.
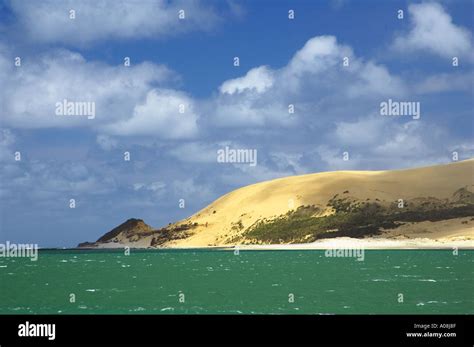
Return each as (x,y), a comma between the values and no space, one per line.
(33,89)
(314,82)
(190,190)
(445,82)
(375,80)
(7,139)
(137,100)
(319,66)
(175,189)
(258,79)
(166,113)
(49,21)
(153,186)
(106,142)
(405,140)
(433,31)
(195,152)
(380,143)
(126,99)
(49,182)
(349,132)
(319,54)
(247,111)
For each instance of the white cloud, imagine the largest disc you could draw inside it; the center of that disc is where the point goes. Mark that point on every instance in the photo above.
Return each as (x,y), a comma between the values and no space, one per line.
(153,186)
(319,66)
(258,79)
(315,81)
(349,133)
(176,189)
(106,142)
(332,157)
(319,54)
(373,79)
(433,30)
(165,113)
(7,139)
(445,83)
(384,144)
(135,101)
(49,20)
(126,99)
(287,162)
(405,140)
(195,152)
(32,90)
(51,181)
(192,191)
(249,111)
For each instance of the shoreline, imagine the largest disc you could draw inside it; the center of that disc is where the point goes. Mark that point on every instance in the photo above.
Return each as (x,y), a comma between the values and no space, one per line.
(335,243)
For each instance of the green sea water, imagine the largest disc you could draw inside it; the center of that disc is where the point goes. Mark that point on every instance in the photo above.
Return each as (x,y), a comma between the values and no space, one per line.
(219,281)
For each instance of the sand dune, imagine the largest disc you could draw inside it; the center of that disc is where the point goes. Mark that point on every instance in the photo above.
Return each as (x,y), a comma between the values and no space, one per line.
(227,220)
(276,197)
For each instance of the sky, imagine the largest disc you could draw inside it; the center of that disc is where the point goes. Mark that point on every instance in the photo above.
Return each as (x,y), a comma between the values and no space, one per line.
(65,177)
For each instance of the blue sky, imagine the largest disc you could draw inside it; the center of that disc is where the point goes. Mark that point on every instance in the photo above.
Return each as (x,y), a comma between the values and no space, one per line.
(190,62)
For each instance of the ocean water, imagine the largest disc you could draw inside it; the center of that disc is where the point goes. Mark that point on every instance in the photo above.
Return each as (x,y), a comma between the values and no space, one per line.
(218,281)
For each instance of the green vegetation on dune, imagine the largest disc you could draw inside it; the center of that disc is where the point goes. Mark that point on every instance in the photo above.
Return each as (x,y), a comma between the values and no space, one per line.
(355,218)
(295,227)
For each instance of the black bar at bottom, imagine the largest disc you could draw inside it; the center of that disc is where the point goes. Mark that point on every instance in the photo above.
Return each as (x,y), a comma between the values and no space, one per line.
(447,330)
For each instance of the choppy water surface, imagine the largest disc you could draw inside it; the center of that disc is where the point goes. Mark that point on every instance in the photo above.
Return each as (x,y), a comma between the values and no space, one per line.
(218,281)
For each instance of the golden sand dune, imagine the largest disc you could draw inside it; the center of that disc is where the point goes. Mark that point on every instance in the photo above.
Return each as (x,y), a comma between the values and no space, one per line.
(424,192)
(273,198)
